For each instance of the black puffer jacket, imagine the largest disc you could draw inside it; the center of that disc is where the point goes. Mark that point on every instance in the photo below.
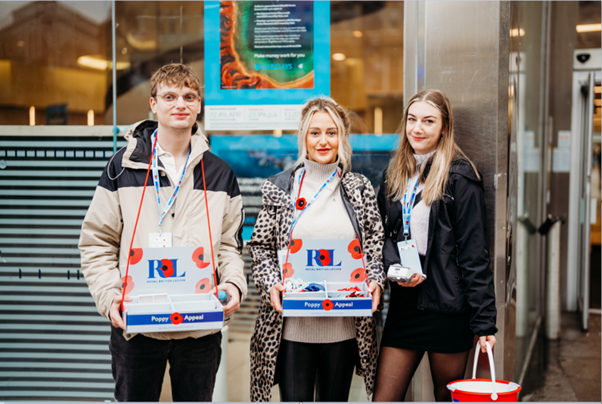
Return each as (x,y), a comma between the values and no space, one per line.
(459,276)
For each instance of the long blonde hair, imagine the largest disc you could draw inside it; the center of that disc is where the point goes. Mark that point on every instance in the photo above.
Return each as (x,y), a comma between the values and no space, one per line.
(341,119)
(403,164)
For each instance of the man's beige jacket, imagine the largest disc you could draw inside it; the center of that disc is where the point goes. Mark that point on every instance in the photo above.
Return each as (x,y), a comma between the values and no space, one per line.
(109,223)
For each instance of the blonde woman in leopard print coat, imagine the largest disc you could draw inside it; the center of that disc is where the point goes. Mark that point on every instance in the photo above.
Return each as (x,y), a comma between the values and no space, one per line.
(271,234)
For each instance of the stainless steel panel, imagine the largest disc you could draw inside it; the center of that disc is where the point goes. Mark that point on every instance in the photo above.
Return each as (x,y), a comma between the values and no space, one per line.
(466,48)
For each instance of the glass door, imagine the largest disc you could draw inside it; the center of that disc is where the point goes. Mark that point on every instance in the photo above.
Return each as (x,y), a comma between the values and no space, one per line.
(585,202)
(529,62)
(590,198)
(595,207)
(587,91)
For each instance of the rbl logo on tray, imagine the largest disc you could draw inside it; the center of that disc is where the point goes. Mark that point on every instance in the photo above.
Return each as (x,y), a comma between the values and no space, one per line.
(164,268)
(323,258)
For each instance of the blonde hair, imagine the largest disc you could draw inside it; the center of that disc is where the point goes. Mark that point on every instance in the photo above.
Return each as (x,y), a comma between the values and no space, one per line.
(177,75)
(341,119)
(403,164)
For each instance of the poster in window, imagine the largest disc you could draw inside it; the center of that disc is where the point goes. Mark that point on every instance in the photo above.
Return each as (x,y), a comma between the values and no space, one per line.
(263,61)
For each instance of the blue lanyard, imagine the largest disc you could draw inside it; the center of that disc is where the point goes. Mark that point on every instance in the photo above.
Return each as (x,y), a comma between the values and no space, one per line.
(316,196)
(172,199)
(408,203)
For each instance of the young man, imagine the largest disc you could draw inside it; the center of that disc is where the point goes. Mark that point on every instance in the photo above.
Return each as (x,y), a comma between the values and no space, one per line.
(139,360)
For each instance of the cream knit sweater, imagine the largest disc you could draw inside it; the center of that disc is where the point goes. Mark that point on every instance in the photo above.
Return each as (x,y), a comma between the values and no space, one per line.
(326,218)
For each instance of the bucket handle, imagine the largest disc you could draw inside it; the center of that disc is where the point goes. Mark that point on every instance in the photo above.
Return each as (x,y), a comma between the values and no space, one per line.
(491,367)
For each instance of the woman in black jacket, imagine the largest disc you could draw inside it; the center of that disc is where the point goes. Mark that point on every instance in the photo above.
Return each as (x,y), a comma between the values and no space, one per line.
(432,195)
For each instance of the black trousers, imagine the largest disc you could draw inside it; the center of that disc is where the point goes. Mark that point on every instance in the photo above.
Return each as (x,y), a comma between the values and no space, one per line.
(327,369)
(139,366)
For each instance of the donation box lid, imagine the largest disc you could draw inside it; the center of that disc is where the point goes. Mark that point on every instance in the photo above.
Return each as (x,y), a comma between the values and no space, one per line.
(174,270)
(319,260)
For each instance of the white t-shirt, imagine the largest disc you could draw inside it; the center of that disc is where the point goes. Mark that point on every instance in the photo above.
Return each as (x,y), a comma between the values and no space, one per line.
(169,162)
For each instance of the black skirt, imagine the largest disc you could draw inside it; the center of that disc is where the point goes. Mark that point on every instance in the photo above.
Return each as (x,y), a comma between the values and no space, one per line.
(407,327)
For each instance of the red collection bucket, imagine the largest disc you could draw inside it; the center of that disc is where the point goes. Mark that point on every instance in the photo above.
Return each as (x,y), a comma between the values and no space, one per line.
(483,390)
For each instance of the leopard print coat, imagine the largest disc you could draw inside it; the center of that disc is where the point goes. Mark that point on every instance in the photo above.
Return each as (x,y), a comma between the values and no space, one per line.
(270,235)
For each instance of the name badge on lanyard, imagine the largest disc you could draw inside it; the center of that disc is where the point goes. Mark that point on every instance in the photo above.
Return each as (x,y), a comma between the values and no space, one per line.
(163,240)
(408,254)
(159,240)
(408,249)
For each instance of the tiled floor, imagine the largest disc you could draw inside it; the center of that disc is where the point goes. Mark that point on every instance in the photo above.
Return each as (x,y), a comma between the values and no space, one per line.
(239,370)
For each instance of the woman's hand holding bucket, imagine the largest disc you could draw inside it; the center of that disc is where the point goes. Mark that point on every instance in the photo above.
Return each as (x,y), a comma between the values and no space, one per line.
(483,342)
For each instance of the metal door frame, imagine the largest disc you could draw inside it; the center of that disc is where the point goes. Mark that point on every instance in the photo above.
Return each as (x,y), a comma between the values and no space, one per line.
(585,76)
(470,63)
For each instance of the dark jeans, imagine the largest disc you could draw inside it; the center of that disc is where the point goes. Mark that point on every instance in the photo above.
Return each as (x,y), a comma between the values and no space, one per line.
(139,366)
(325,368)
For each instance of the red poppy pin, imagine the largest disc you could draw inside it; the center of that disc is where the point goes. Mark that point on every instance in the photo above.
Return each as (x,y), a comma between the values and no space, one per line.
(176,318)
(327,305)
(301,203)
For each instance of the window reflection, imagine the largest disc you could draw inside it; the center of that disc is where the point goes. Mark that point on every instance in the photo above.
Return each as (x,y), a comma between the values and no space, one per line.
(56,60)
(150,35)
(366,50)
(588,28)
(41,66)
(369,80)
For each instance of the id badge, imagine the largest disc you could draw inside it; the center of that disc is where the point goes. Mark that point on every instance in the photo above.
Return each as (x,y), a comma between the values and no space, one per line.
(159,240)
(408,253)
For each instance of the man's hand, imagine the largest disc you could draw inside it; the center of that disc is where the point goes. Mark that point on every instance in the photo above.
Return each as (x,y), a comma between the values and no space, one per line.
(234,303)
(275,294)
(114,315)
(374,290)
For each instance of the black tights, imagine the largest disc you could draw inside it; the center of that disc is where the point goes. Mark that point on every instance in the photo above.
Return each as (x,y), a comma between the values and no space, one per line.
(325,368)
(397,366)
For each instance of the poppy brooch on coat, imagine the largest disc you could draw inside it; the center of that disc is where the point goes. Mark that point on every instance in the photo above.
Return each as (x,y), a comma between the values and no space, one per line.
(301,203)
